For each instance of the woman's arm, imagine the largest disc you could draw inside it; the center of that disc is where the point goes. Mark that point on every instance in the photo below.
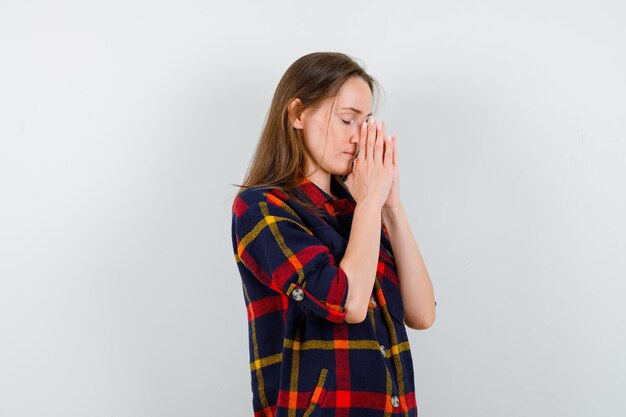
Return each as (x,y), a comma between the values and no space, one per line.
(360,259)
(416,288)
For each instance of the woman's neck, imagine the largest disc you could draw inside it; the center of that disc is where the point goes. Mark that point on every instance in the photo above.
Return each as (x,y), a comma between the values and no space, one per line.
(322,180)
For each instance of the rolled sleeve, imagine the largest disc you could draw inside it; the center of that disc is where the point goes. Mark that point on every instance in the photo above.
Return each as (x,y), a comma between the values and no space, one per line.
(280,251)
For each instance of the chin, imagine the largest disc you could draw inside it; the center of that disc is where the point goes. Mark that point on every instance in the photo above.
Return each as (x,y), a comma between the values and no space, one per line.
(348,169)
(340,168)
(341,171)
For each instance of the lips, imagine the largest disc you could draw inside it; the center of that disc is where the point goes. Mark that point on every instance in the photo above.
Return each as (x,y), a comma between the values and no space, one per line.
(350,153)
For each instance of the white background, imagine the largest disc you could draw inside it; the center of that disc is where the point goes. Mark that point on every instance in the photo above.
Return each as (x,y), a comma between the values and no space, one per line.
(123,124)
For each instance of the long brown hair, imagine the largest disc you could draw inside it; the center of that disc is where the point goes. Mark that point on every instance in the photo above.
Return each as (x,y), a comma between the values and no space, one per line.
(279,159)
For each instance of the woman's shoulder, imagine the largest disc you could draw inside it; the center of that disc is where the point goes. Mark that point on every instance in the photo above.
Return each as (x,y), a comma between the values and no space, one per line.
(257,196)
(254,193)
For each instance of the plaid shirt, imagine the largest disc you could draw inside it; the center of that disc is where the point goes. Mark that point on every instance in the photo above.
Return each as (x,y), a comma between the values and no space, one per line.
(305,359)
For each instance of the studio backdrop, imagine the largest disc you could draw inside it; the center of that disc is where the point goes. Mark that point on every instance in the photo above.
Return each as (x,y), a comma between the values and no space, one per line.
(123,125)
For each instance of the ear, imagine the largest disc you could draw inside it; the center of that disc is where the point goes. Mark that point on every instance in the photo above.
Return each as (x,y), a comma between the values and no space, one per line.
(295,122)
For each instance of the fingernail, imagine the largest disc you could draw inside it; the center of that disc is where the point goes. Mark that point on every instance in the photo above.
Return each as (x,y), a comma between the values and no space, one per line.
(373,121)
(380,125)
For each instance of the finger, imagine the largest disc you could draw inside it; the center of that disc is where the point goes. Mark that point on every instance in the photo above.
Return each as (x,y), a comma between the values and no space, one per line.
(371,138)
(388,151)
(382,134)
(380,142)
(395,151)
(362,151)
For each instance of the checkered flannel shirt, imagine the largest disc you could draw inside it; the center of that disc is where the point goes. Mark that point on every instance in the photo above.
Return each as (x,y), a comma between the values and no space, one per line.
(305,359)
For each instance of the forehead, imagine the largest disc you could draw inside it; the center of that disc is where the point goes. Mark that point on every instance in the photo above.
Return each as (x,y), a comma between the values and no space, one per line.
(355,93)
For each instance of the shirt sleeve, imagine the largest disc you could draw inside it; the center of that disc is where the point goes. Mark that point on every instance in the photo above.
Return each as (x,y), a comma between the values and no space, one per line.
(279,250)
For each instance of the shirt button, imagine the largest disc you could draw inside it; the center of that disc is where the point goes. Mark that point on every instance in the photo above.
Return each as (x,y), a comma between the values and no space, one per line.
(373,302)
(382,350)
(395,401)
(297,294)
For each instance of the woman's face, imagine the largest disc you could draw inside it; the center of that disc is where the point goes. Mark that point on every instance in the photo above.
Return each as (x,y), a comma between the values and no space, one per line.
(352,106)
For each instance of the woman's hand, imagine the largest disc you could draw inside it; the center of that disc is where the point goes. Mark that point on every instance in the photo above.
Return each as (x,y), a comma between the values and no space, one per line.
(373,170)
(393,200)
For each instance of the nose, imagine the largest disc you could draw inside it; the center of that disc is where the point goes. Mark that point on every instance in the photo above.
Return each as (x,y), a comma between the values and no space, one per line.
(356,132)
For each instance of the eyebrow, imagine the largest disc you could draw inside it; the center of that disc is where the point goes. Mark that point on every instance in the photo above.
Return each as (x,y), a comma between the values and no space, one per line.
(354,110)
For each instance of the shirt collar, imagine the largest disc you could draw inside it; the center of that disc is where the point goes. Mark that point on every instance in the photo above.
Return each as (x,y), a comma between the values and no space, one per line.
(322,199)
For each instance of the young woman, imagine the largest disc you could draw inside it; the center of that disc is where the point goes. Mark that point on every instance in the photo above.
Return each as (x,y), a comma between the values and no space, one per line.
(330,269)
